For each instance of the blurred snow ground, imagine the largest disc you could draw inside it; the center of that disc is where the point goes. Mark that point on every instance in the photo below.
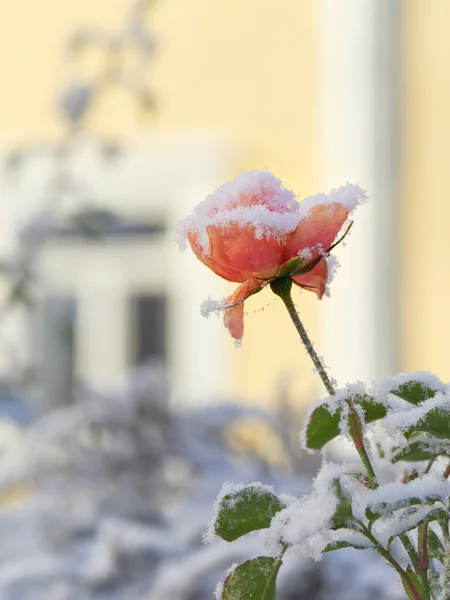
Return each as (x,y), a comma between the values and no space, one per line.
(108,499)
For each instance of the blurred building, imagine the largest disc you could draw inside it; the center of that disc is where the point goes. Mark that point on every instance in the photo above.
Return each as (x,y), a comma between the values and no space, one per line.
(320,93)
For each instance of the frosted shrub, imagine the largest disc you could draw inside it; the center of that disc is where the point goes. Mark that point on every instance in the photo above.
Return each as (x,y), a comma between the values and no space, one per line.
(395,501)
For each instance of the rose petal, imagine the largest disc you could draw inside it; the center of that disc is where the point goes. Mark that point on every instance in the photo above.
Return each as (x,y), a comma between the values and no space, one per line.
(315,280)
(318,230)
(211,261)
(234,316)
(238,249)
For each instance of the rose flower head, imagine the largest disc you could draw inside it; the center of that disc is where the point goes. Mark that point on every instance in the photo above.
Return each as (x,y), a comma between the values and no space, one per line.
(253,231)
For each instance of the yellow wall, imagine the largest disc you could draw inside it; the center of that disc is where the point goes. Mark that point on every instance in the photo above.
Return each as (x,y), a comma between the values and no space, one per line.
(249,68)
(33,35)
(425,220)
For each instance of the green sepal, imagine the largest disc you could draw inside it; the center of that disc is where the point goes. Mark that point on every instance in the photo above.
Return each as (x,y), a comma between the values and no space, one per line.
(290,266)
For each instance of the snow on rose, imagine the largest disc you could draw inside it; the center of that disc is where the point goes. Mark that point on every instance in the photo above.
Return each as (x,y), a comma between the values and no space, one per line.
(252,231)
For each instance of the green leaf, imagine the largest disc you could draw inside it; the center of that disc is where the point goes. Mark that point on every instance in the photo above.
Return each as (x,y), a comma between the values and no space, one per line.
(253,579)
(436,422)
(414,392)
(373,410)
(323,426)
(425,448)
(245,510)
(435,546)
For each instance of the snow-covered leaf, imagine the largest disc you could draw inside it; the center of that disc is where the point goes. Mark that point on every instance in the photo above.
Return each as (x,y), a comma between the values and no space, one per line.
(414,392)
(347,538)
(342,544)
(254,578)
(315,520)
(323,425)
(245,509)
(410,519)
(435,422)
(394,496)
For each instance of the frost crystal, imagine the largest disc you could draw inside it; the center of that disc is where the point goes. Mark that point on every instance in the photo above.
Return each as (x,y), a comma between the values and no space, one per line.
(209,306)
(333,265)
(306,253)
(219,587)
(219,590)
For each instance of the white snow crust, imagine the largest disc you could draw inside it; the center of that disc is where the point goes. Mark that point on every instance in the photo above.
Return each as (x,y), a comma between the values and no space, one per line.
(278,214)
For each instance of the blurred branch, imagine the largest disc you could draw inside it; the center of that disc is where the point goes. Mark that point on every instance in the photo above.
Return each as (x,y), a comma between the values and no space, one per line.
(75,103)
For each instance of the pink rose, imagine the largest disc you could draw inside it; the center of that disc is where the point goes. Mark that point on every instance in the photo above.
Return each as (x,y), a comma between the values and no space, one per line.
(252,230)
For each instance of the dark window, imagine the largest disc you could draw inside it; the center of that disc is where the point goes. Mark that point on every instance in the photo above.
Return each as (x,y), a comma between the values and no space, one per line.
(149,319)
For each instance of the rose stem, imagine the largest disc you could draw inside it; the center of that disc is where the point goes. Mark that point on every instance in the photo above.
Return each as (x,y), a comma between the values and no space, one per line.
(423,560)
(282,288)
